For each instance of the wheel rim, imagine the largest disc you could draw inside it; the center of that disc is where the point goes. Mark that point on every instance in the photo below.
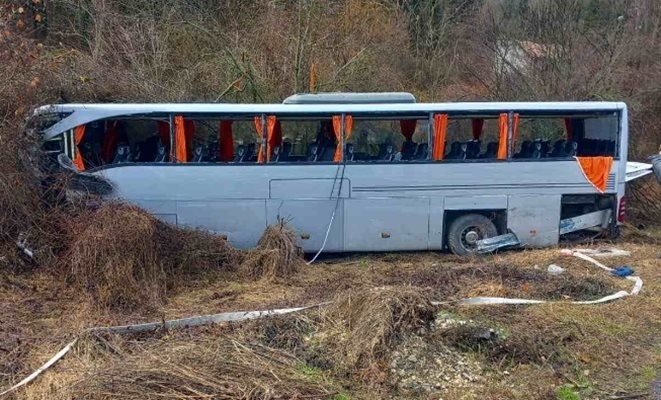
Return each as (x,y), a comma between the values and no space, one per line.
(470,236)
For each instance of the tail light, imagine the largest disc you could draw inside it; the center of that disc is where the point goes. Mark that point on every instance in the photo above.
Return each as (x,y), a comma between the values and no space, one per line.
(620,210)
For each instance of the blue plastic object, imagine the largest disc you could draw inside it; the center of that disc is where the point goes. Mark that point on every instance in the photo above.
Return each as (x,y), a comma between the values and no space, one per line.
(622,271)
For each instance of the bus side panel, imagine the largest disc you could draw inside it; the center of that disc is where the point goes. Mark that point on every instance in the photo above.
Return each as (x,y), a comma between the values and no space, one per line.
(165,210)
(310,219)
(534,219)
(242,221)
(386,224)
(436,222)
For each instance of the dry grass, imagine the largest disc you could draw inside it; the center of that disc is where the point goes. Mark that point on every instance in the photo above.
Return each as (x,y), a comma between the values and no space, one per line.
(211,364)
(125,258)
(347,347)
(362,326)
(276,256)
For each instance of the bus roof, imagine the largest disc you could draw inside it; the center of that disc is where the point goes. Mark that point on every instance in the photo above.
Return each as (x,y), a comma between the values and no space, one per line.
(350,98)
(82,113)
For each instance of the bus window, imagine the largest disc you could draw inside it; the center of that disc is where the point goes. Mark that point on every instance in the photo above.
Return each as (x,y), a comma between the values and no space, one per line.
(472,139)
(310,140)
(541,137)
(595,136)
(245,140)
(566,136)
(388,140)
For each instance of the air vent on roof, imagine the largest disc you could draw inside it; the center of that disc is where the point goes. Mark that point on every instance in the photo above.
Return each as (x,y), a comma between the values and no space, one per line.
(351,98)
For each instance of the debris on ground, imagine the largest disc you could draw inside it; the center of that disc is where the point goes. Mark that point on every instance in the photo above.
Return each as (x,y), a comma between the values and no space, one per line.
(276,256)
(555,269)
(604,252)
(422,367)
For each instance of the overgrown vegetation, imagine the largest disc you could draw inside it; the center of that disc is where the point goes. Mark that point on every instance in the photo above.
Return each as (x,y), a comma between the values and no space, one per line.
(133,267)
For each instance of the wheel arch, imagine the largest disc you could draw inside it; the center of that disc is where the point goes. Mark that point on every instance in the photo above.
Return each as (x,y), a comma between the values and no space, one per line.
(496,215)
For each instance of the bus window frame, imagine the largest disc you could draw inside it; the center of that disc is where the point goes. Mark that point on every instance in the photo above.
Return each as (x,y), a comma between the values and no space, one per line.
(68,140)
(585,114)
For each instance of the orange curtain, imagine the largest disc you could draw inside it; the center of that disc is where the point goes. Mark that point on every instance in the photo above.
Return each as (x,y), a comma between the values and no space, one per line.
(258,129)
(79,134)
(110,139)
(596,170)
(440,130)
(477,124)
(568,129)
(407,127)
(337,128)
(225,141)
(274,134)
(271,140)
(180,139)
(502,141)
(514,130)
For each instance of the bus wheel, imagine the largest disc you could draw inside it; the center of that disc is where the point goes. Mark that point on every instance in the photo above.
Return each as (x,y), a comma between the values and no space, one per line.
(466,230)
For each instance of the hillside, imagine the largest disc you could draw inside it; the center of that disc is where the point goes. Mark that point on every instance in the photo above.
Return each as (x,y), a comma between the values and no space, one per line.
(380,325)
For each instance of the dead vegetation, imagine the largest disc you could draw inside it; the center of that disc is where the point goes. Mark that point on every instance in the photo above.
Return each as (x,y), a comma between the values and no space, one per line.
(276,256)
(361,327)
(212,365)
(126,258)
(122,259)
(346,348)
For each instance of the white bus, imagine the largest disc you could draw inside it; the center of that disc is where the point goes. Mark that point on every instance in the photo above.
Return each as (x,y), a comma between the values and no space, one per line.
(357,171)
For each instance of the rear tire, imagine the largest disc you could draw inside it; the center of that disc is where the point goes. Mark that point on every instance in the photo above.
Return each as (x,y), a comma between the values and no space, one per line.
(466,230)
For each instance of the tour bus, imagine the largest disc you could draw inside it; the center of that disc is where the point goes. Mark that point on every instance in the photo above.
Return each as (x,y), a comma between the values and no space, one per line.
(356,172)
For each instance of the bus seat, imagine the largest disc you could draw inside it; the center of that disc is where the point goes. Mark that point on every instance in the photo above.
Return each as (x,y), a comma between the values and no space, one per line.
(570,149)
(326,153)
(422,152)
(535,150)
(275,154)
(149,148)
(454,150)
(408,149)
(161,152)
(382,151)
(457,151)
(491,151)
(250,154)
(212,151)
(611,148)
(473,149)
(524,151)
(545,149)
(559,149)
(122,154)
(389,154)
(198,154)
(348,152)
(285,151)
(313,152)
(240,153)
(136,152)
